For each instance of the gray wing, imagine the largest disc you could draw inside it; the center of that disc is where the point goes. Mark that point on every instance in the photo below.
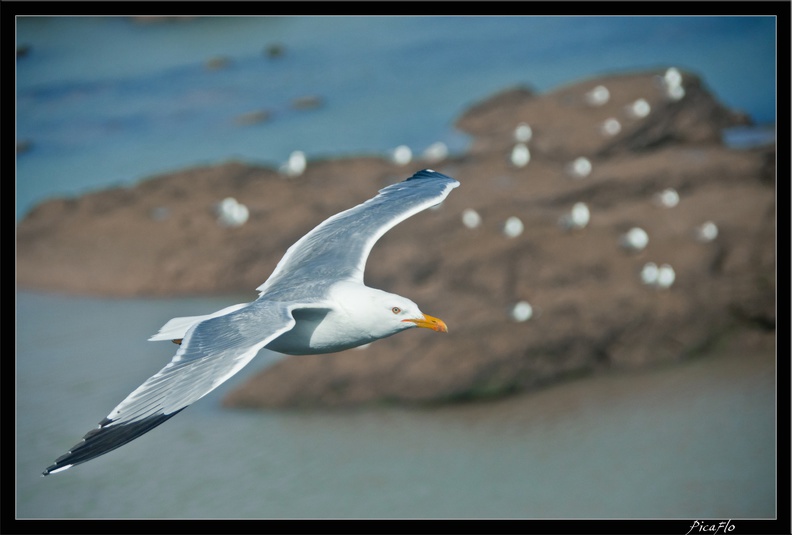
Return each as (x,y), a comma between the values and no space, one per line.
(338,248)
(210,353)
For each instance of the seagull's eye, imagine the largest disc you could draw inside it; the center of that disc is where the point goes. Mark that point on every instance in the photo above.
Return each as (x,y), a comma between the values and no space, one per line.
(396,310)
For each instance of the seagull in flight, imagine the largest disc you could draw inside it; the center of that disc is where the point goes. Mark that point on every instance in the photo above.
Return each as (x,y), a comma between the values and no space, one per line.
(314,302)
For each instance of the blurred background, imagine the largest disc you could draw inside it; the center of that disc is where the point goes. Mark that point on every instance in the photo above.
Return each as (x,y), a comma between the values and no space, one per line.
(108,101)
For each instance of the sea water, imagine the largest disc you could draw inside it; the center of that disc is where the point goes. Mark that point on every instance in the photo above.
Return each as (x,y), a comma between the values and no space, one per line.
(105,101)
(691,440)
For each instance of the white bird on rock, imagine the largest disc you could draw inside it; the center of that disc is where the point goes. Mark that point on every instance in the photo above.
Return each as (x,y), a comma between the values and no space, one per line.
(314,302)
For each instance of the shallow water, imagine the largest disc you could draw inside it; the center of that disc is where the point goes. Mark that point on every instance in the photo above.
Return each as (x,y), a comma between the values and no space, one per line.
(691,440)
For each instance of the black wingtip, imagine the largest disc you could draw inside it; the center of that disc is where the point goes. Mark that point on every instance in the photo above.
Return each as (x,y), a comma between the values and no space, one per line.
(54,469)
(106,438)
(428,173)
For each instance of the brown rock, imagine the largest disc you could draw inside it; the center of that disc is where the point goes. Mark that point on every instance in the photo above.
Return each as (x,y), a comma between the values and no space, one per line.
(252,117)
(592,312)
(565,125)
(307,102)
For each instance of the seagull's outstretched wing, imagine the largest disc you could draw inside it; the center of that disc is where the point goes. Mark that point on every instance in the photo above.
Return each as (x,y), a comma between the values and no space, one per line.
(338,248)
(216,346)
(210,353)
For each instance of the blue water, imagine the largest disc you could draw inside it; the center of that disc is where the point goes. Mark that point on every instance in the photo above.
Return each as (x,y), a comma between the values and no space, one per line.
(105,101)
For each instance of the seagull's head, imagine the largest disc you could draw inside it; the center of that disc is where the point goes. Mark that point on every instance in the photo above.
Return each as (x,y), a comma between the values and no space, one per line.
(382,313)
(396,313)
(406,314)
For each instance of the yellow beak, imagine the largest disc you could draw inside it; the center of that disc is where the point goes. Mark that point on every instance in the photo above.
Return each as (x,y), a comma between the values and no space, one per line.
(430,322)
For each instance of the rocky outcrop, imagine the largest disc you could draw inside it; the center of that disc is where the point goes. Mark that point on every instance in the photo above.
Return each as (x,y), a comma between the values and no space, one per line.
(590,307)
